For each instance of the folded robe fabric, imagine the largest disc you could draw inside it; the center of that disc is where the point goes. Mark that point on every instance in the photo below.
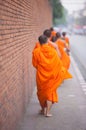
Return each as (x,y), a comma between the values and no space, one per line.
(37,45)
(49,73)
(67,40)
(64,56)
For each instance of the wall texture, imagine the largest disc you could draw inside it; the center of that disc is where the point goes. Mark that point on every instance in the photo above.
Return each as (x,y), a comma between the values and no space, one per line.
(21,22)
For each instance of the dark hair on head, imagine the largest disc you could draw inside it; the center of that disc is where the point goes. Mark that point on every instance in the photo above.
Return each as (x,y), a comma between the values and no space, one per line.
(51,29)
(58,35)
(42,39)
(63,33)
(47,33)
(53,39)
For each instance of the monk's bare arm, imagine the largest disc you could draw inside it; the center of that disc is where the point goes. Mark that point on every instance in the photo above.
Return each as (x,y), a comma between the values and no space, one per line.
(67,47)
(56,47)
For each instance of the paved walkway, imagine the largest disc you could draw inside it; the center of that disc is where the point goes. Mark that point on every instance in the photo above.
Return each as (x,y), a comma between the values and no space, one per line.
(68,114)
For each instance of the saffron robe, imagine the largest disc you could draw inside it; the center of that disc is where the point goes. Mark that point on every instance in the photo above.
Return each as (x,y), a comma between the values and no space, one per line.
(53,33)
(67,40)
(37,45)
(64,56)
(49,73)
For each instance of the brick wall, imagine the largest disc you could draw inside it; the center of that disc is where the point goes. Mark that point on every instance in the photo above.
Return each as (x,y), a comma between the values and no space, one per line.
(21,22)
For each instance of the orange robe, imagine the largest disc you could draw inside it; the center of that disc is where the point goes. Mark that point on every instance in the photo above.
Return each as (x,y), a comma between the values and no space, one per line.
(37,45)
(53,33)
(49,73)
(64,57)
(67,40)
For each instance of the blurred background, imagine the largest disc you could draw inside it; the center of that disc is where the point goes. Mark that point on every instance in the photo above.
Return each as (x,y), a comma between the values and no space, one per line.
(69,16)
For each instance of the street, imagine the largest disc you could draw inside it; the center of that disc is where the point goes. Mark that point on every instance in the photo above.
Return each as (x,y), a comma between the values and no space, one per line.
(78,50)
(70,112)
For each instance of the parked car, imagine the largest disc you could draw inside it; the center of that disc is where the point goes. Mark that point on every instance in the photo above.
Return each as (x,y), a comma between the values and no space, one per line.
(78,31)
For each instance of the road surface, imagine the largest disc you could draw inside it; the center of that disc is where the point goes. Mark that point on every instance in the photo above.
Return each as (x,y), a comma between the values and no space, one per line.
(78,50)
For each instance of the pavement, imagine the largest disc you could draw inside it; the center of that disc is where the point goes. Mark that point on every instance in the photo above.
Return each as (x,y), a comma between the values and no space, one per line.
(68,114)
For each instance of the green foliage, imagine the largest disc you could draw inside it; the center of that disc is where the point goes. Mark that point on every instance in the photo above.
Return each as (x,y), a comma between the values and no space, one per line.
(57,8)
(59,12)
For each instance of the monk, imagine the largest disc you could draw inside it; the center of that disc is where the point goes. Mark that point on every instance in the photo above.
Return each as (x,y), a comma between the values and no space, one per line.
(66,39)
(62,45)
(49,74)
(53,32)
(47,33)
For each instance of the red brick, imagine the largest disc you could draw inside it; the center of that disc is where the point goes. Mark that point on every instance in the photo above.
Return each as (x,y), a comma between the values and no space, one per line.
(21,22)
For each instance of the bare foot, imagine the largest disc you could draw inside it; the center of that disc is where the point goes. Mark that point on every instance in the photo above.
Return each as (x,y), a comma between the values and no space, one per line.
(48,115)
(41,112)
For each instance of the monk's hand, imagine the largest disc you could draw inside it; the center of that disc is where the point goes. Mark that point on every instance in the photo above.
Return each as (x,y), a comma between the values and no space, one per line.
(68,49)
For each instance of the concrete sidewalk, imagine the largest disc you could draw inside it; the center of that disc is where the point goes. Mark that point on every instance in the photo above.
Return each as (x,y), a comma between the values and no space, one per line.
(68,114)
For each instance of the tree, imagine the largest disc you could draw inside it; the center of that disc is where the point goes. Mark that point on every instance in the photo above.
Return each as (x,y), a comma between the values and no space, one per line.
(63,18)
(57,9)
